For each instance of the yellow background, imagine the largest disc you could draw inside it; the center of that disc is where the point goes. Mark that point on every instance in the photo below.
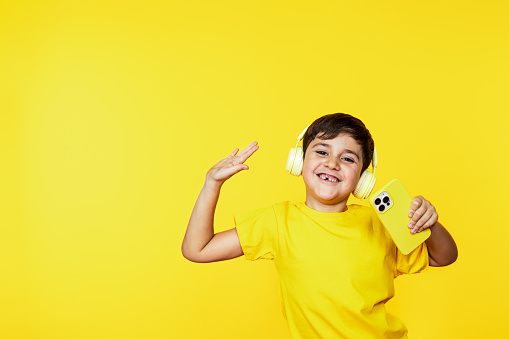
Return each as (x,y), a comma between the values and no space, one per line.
(112,112)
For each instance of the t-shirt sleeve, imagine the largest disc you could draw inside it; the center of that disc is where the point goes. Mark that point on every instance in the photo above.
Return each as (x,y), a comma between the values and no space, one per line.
(257,232)
(414,262)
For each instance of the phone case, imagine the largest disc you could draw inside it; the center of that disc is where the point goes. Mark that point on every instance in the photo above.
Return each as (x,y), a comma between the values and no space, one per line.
(391,204)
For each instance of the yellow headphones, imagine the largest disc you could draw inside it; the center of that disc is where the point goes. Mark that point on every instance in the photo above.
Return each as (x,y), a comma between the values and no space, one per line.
(364,186)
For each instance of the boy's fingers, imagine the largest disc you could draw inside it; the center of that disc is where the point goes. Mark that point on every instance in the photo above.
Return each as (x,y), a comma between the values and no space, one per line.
(425,218)
(248,148)
(429,218)
(421,228)
(232,154)
(417,214)
(416,203)
(431,221)
(230,171)
(422,214)
(235,159)
(248,151)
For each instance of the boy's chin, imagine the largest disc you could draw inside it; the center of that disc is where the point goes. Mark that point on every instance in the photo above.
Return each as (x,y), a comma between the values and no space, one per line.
(326,198)
(332,199)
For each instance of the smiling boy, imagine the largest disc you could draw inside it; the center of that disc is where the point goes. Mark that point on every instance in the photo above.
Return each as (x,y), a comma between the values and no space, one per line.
(336,263)
(331,171)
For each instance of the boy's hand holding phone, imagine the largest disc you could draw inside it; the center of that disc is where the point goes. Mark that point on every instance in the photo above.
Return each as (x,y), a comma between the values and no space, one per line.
(398,212)
(408,221)
(422,213)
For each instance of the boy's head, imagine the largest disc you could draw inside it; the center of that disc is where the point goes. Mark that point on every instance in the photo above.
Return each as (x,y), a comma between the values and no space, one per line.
(331,125)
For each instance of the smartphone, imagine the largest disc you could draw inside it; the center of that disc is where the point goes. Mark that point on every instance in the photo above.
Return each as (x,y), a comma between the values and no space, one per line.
(392,203)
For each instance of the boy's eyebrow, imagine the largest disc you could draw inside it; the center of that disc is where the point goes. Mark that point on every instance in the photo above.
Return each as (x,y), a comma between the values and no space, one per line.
(346,150)
(321,144)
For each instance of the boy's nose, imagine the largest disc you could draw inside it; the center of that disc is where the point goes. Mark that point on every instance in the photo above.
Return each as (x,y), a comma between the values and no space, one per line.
(332,164)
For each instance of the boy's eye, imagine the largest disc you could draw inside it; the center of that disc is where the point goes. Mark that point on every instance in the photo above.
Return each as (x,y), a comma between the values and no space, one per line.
(348,159)
(321,152)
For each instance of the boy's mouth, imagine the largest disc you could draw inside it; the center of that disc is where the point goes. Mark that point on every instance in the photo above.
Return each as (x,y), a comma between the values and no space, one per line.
(328,177)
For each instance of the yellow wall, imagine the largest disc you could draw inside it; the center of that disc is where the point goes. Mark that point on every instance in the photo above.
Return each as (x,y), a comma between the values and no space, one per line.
(112,111)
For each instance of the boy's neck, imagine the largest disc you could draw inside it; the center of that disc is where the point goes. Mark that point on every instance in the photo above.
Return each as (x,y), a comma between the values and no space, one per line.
(328,208)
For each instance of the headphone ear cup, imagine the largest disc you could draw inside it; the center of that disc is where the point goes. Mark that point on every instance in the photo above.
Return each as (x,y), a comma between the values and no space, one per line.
(299,162)
(365,185)
(290,159)
(295,161)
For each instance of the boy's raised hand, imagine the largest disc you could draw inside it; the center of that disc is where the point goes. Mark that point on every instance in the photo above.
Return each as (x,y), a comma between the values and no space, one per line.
(422,213)
(200,243)
(231,165)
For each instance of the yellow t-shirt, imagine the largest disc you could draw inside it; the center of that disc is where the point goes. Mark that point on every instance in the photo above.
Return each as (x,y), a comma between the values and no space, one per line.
(336,270)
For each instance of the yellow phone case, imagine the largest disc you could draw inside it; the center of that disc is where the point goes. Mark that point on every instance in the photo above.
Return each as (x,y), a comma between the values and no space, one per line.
(392,209)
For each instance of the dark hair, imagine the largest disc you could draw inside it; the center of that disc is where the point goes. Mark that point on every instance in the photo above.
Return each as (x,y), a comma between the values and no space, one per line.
(331,125)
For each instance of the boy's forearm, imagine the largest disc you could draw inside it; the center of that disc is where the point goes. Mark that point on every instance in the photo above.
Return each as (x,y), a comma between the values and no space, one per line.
(441,246)
(200,229)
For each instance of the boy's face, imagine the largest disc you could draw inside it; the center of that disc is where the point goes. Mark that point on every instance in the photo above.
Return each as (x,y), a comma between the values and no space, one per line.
(331,171)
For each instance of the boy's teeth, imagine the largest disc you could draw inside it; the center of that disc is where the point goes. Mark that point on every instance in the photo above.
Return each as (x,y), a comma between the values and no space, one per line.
(328,178)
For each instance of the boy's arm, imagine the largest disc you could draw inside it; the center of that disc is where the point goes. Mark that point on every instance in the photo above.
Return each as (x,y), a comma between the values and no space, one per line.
(442,249)
(200,244)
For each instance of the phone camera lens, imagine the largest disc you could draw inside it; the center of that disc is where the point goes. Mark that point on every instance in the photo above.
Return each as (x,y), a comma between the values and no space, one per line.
(386,199)
(381,208)
(377,201)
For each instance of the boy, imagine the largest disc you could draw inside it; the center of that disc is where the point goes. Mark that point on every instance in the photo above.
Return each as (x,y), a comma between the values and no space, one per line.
(336,263)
